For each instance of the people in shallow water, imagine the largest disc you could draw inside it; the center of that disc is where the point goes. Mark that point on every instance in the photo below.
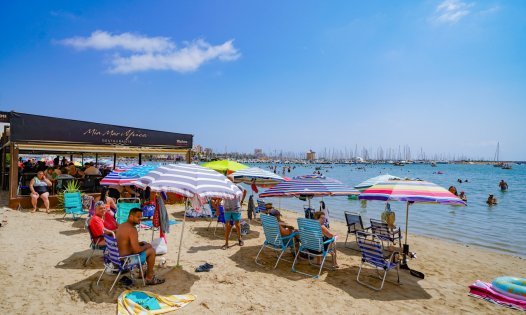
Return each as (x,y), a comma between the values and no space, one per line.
(459,180)
(453,190)
(491,200)
(503,185)
(463,197)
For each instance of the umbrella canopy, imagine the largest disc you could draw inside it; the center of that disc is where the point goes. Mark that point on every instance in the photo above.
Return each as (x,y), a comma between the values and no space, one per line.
(411,191)
(307,186)
(224,166)
(139,170)
(375,180)
(259,176)
(117,178)
(188,180)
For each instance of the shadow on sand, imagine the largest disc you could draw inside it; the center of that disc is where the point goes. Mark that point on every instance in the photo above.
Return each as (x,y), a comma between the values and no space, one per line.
(178,281)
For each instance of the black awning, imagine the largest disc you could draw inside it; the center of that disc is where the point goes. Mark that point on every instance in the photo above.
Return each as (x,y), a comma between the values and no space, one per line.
(35,128)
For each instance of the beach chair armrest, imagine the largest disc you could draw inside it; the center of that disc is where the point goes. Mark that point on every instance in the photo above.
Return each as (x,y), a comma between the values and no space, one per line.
(329,240)
(129,256)
(289,236)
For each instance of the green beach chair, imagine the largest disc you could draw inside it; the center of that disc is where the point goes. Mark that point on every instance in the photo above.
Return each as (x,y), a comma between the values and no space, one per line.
(73,205)
(313,244)
(273,238)
(124,205)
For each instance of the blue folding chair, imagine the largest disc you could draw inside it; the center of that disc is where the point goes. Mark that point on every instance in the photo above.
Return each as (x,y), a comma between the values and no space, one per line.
(273,238)
(73,205)
(113,262)
(94,244)
(373,254)
(312,243)
(124,205)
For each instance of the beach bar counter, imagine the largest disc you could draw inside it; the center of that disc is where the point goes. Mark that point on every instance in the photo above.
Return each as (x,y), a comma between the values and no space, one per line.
(34,134)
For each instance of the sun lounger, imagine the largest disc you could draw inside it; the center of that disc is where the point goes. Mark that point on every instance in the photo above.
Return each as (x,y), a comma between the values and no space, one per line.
(373,254)
(273,238)
(312,243)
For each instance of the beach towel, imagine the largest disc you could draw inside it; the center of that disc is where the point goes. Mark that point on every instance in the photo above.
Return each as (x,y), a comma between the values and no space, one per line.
(144,302)
(485,291)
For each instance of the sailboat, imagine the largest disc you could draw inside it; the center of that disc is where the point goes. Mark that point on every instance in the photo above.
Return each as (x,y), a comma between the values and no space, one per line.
(496,157)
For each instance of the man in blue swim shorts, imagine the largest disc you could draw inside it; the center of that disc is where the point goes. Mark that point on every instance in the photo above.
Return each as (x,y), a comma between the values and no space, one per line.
(128,243)
(233,213)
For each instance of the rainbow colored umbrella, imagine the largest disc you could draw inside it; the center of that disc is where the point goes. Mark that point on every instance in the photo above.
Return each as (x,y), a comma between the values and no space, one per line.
(410,191)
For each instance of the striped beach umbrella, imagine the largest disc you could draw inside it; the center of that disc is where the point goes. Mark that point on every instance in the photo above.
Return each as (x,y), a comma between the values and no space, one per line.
(188,180)
(313,187)
(115,178)
(410,191)
(256,175)
(375,180)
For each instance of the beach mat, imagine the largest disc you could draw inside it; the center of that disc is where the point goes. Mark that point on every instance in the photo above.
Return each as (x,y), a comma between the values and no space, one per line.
(138,302)
(483,290)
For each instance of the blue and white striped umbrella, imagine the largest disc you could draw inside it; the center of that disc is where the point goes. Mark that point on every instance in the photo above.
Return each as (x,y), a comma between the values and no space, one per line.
(260,176)
(375,180)
(309,186)
(189,180)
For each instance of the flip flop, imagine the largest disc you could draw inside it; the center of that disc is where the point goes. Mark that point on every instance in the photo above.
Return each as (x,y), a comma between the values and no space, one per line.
(209,266)
(202,268)
(224,247)
(241,243)
(154,281)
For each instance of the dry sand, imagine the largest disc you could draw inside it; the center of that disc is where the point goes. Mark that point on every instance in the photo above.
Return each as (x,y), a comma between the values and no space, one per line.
(42,272)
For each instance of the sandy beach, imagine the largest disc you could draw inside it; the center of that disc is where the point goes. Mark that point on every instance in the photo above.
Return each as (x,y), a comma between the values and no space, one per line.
(42,272)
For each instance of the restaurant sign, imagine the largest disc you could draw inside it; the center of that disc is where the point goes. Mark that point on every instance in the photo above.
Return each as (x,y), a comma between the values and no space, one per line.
(25,127)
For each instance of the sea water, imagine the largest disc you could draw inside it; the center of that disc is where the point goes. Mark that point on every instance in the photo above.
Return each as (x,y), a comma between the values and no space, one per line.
(500,228)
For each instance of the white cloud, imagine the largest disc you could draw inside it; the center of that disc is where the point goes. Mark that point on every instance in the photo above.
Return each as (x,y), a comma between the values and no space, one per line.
(451,11)
(153,53)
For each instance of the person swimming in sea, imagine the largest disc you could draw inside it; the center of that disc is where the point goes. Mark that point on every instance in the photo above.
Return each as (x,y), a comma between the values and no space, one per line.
(463,197)
(503,185)
(491,200)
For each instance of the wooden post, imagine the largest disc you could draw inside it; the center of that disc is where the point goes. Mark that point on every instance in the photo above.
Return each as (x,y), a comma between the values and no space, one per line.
(13,170)
(114,160)
(2,180)
(96,158)
(140,159)
(189,156)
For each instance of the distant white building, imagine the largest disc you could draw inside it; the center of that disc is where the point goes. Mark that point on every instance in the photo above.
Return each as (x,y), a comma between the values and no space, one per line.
(258,153)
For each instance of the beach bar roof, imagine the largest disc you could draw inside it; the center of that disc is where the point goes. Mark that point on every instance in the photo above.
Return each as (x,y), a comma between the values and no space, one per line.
(41,134)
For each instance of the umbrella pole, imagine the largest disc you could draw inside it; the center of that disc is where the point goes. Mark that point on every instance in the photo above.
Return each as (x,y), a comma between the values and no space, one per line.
(406,247)
(182,231)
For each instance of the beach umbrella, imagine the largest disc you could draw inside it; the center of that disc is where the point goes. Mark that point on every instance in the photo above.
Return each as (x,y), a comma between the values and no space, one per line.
(188,180)
(375,180)
(115,178)
(255,175)
(139,170)
(309,186)
(410,191)
(225,166)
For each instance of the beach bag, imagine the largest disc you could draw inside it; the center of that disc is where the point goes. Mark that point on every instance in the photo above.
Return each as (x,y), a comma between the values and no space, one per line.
(245,227)
(160,246)
(148,209)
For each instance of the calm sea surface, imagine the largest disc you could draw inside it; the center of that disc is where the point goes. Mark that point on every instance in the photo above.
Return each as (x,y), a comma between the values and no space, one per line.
(501,228)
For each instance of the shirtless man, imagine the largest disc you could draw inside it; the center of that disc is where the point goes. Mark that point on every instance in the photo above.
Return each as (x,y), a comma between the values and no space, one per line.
(128,243)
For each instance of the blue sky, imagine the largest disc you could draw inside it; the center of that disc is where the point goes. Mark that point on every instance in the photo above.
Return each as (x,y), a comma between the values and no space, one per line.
(445,76)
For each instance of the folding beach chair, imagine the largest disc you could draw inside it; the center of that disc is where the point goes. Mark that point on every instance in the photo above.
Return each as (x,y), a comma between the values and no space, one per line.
(124,205)
(373,254)
(386,234)
(94,243)
(73,205)
(113,262)
(354,224)
(273,238)
(312,243)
